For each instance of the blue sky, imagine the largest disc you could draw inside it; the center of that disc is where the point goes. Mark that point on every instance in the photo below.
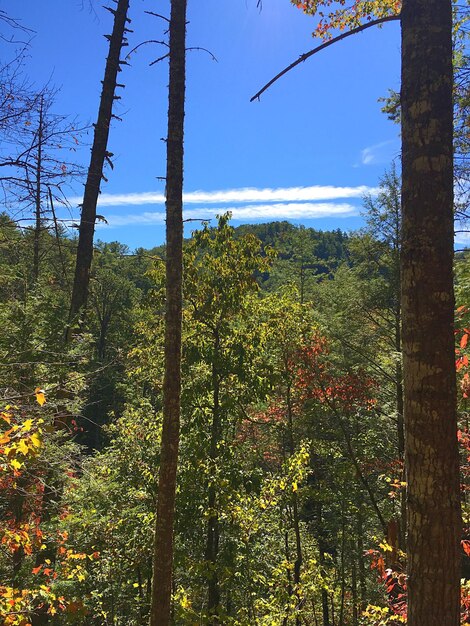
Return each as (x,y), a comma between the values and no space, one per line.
(308,151)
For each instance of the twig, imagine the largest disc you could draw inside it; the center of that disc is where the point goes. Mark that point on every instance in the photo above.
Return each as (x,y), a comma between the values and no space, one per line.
(162,58)
(214,58)
(143,43)
(157,15)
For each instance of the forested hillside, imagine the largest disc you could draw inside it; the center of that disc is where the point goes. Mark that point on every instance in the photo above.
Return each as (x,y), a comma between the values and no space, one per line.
(292,436)
(306,402)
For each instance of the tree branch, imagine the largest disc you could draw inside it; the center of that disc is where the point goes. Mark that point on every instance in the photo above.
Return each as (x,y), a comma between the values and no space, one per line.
(157,15)
(213,57)
(322,46)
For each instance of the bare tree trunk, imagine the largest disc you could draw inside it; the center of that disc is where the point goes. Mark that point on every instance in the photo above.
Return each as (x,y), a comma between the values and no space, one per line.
(37,195)
(163,554)
(99,153)
(434,522)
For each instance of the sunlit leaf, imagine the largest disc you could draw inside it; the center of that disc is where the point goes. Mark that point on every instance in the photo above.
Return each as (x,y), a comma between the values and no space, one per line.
(40,396)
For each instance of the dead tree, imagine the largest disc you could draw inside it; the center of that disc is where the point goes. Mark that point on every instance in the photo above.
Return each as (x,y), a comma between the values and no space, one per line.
(99,155)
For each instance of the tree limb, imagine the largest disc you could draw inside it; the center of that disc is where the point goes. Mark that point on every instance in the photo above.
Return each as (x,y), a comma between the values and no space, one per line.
(322,46)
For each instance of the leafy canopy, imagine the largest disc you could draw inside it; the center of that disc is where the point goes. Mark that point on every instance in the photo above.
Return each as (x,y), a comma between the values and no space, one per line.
(342,16)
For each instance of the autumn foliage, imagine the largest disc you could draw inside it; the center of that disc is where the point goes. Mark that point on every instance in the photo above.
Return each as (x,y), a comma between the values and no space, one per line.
(341,16)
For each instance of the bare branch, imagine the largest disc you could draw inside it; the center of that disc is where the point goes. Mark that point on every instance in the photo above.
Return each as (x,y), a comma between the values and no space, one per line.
(143,43)
(322,46)
(162,58)
(157,15)
(214,58)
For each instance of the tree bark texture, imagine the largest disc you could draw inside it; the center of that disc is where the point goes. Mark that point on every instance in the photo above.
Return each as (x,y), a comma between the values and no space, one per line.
(163,553)
(433,504)
(99,152)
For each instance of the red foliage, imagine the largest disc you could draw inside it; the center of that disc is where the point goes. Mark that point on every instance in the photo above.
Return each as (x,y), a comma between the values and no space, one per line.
(316,380)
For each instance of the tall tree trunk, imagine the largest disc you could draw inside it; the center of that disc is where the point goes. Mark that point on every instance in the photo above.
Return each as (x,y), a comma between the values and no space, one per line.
(355,603)
(434,522)
(163,553)
(322,551)
(361,567)
(213,531)
(37,194)
(295,506)
(98,155)
(342,570)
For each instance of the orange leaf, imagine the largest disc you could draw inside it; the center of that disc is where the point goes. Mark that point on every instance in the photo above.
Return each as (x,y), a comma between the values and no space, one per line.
(37,569)
(40,396)
(466,546)
(381,565)
(464,340)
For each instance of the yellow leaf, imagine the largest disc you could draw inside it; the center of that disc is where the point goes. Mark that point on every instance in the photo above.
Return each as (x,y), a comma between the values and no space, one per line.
(16,464)
(23,447)
(27,426)
(40,396)
(35,440)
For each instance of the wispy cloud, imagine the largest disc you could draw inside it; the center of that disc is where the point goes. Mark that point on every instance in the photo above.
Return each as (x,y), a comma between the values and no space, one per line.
(234,196)
(379,153)
(275,211)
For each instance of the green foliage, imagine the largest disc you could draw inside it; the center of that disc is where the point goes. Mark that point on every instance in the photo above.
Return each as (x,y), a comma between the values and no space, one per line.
(289,439)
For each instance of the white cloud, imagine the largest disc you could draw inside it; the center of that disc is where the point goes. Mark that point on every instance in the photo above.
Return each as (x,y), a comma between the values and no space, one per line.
(382,152)
(250,212)
(245,194)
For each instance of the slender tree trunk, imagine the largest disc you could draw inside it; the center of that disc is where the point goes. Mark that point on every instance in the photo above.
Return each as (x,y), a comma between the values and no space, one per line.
(98,155)
(295,507)
(342,567)
(355,603)
(37,195)
(163,554)
(361,568)
(213,531)
(285,621)
(322,561)
(434,523)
